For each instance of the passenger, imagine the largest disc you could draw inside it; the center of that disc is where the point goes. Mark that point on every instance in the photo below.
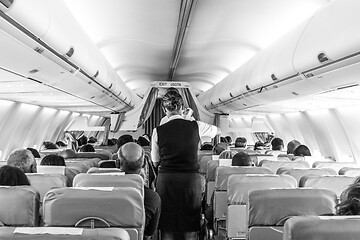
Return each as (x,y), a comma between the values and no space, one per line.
(227,154)
(92,139)
(60,144)
(22,159)
(82,140)
(259,146)
(53,160)
(49,145)
(228,139)
(87,148)
(220,147)
(131,157)
(206,146)
(302,151)
(292,145)
(174,149)
(12,176)
(34,152)
(240,142)
(121,141)
(277,146)
(142,141)
(351,204)
(57,160)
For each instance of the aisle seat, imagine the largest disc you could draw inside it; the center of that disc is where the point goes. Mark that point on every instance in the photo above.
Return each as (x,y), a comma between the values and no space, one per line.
(298,173)
(19,206)
(221,184)
(239,187)
(119,207)
(275,165)
(322,227)
(335,183)
(270,208)
(60,233)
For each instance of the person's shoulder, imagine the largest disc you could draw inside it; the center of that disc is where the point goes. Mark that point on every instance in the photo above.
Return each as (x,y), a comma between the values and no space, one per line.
(151,194)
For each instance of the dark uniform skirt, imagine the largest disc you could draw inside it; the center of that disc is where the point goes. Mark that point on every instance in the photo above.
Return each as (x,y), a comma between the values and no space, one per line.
(180,195)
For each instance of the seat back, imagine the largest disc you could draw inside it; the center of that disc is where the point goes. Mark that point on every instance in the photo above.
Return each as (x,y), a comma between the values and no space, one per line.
(350,171)
(329,228)
(44,182)
(257,158)
(240,185)
(211,170)
(46,169)
(203,163)
(334,165)
(275,165)
(19,206)
(100,180)
(111,207)
(223,173)
(298,173)
(335,183)
(59,233)
(104,170)
(272,207)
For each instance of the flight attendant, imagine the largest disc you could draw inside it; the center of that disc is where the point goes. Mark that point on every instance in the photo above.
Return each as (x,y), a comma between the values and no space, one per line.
(174,151)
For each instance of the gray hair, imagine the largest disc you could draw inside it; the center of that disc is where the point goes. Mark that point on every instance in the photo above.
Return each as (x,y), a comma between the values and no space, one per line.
(22,159)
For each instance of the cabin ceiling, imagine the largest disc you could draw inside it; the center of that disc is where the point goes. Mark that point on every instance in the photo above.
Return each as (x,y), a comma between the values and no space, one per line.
(137,37)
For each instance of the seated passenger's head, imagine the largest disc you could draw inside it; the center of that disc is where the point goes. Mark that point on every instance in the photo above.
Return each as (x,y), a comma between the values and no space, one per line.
(228,139)
(53,160)
(291,146)
(124,139)
(34,152)
(277,144)
(206,146)
(22,159)
(12,176)
(259,145)
(302,151)
(351,205)
(49,145)
(67,153)
(219,147)
(143,141)
(131,157)
(92,139)
(87,148)
(82,140)
(241,159)
(227,154)
(172,103)
(240,142)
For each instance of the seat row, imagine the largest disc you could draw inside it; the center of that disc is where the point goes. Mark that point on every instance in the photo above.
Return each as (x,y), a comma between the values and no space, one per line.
(120,207)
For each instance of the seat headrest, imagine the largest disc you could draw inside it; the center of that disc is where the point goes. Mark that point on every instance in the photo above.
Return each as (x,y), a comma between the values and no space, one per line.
(50,169)
(95,180)
(298,173)
(44,182)
(119,207)
(223,173)
(19,206)
(335,183)
(104,170)
(240,185)
(272,207)
(329,228)
(275,165)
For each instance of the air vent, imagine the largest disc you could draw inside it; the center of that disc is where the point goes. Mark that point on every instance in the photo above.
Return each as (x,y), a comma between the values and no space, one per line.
(295,93)
(33,71)
(6,3)
(323,58)
(70,52)
(273,77)
(39,50)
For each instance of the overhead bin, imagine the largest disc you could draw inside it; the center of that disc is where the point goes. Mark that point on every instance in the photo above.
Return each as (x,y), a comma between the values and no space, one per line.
(319,55)
(270,65)
(64,42)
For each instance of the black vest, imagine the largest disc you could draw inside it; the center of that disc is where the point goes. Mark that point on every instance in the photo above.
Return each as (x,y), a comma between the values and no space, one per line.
(178,142)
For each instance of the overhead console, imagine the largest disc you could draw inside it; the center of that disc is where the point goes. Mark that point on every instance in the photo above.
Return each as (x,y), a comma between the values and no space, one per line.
(319,55)
(55,51)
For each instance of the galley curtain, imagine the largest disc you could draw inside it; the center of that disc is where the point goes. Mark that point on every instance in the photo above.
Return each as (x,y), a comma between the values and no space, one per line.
(154,120)
(189,101)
